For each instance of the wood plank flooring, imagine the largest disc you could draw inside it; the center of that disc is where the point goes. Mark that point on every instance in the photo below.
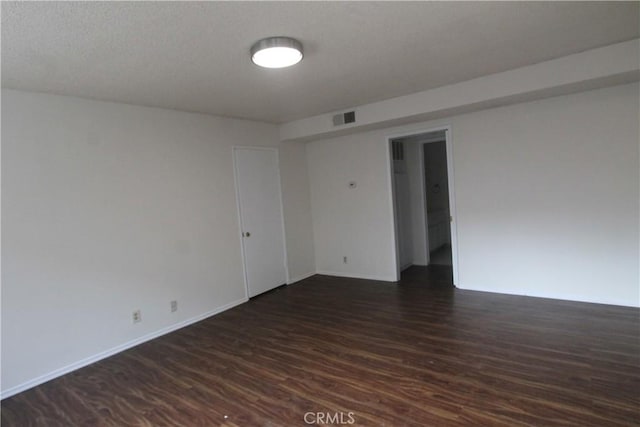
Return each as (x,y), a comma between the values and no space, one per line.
(418,353)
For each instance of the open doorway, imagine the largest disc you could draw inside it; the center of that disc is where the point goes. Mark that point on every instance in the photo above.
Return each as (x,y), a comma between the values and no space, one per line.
(423,203)
(438,217)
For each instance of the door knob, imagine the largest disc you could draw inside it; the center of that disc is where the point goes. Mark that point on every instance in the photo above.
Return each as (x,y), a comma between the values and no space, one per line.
(246,234)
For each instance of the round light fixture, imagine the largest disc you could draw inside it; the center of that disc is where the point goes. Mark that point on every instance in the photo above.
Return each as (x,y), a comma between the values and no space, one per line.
(276,52)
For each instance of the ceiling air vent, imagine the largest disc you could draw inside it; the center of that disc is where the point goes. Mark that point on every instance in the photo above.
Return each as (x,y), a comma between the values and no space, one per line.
(344,118)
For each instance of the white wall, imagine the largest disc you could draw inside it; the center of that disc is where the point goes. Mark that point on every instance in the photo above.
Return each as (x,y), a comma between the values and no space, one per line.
(297,211)
(108,208)
(351,222)
(546,194)
(402,210)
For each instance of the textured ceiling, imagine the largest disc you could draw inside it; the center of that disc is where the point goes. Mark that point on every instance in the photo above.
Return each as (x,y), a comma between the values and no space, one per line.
(194,56)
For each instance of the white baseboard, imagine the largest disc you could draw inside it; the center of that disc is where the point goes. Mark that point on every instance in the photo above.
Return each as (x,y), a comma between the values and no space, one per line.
(404,267)
(301,277)
(357,276)
(532,293)
(114,350)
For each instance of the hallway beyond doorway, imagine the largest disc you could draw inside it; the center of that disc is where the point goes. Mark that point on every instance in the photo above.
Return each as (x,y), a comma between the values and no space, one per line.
(441,256)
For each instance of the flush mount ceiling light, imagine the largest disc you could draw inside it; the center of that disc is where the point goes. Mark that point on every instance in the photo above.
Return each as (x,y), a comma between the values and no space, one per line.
(276,52)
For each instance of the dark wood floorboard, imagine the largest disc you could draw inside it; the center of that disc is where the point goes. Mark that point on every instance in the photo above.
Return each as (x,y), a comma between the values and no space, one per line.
(417,353)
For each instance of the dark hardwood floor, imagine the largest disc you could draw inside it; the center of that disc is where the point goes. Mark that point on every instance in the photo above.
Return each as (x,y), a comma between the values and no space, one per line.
(417,353)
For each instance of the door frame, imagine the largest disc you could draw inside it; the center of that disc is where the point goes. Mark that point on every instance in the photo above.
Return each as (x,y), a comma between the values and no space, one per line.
(425,204)
(452,199)
(423,191)
(245,275)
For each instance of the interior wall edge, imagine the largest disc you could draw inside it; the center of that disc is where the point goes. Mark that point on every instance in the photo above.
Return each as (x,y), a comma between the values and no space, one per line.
(115,350)
(380,278)
(301,277)
(560,297)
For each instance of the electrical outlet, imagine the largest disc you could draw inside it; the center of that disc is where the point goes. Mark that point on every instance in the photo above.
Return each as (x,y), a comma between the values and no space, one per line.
(174,306)
(137,316)
(344,259)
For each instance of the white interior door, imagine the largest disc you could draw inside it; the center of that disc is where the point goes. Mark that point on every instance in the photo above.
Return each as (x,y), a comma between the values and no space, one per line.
(260,206)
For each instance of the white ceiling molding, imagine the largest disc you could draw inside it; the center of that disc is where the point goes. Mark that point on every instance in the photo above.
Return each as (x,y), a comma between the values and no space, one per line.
(606,66)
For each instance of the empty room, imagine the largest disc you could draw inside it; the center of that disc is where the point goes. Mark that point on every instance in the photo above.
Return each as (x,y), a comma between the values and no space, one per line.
(320,213)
